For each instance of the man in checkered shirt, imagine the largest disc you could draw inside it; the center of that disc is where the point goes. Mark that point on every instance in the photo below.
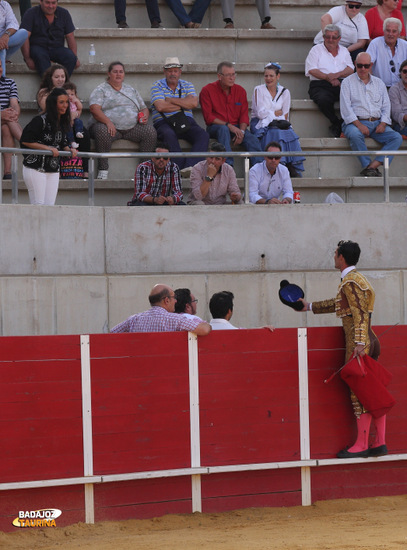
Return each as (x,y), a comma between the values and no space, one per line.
(161,317)
(157,181)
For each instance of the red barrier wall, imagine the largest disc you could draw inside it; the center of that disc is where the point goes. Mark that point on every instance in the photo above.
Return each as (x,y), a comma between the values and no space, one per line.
(249,413)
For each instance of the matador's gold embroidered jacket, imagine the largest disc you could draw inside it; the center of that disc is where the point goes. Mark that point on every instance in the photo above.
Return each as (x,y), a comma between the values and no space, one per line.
(355,299)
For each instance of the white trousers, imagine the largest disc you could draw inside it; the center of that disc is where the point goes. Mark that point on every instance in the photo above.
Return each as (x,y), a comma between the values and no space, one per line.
(42,186)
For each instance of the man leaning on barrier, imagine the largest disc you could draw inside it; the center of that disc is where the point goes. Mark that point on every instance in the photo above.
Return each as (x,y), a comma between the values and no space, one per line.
(157,181)
(161,317)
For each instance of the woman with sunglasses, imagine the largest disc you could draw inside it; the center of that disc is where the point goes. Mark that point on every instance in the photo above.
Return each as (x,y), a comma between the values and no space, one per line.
(353,24)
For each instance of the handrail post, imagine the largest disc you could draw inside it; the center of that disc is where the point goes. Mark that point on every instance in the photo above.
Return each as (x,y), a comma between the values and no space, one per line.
(91,182)
(14,179)
(246,179)
(386,183)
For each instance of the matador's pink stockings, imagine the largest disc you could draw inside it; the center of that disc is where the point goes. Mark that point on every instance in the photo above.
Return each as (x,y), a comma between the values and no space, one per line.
(362,440)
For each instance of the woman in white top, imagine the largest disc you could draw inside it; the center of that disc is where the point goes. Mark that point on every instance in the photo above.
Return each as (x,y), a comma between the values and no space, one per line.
(270,113)
(353,25)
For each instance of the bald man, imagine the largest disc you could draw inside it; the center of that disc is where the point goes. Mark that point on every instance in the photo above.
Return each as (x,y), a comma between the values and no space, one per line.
(161,317)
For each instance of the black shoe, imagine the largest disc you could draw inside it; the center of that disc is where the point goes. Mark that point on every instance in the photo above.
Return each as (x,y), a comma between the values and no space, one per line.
(122,25)
(293,172)
(156,24)
(381,450)
(335,130)
(346,454)
(7,176)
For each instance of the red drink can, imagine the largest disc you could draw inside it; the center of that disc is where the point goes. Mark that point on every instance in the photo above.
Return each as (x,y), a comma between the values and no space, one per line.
(297,197)
(140,116)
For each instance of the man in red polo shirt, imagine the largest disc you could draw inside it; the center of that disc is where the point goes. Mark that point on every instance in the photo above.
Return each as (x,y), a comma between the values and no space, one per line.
(226,112)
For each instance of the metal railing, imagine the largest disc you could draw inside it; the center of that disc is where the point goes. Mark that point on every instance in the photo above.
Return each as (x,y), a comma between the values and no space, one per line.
(142,156)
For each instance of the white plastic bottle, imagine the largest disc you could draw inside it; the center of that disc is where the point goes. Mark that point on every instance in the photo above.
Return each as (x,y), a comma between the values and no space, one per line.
(92,54)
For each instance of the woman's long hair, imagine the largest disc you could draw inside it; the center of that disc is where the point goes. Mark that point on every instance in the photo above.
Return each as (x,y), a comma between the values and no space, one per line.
(46,81)
(64,121)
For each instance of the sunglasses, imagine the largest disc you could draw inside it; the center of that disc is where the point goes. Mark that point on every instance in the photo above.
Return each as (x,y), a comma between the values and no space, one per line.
(354,6)
(273,158)
(404,71)
(392,67)
(363,65)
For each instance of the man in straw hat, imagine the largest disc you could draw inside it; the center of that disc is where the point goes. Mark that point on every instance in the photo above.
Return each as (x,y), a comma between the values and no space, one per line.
(172,96)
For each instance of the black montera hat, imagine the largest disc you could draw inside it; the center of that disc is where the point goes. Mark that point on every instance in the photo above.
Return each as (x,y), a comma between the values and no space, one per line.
(289,295)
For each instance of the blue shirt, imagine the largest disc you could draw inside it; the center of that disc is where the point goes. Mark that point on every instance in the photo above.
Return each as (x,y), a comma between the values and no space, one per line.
(263,185)
(42,32)
(364,100)
(160,90)
(384,61)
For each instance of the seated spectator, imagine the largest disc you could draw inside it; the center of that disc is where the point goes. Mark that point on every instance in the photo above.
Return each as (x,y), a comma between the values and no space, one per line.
(398,101)
(161,316)
(192,20)
(56,76)
(48,26)
(171,98)
(186,303)
(226,112)
(270,113)
(221,308)
(365,108)
(326,65)
(157,181)
(263,7)
(10,111)
(212,180)
(11,36)
(388,52)
(75,107)
(119,112)
(269,181)
(353,25)
(376,16)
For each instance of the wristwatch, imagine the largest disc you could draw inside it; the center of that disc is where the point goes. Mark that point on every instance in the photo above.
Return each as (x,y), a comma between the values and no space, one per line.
(208,178)
(8,33)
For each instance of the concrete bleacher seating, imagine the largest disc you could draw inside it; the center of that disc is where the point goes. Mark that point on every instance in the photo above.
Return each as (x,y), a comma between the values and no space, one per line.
(143,51)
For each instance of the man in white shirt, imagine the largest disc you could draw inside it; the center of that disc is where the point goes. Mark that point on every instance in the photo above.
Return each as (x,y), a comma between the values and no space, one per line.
(365,109)
(186,303)
(269,181)
(11,36)
(221,308)
(326,65)
(388,52)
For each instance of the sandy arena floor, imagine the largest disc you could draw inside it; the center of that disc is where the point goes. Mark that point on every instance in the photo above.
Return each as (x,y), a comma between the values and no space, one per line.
(365,524)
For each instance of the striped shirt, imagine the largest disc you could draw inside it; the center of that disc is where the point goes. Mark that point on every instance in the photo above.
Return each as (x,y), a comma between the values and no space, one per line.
(160,90)
(8,89)
(157,319)
(360,100)
(148,182)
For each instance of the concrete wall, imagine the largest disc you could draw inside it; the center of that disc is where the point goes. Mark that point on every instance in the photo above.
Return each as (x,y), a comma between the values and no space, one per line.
(67,269)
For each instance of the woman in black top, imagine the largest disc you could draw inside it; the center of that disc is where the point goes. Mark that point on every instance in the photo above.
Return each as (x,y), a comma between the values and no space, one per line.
(46,131)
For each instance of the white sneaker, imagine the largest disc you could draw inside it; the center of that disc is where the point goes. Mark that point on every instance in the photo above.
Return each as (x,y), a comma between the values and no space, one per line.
(79,135)
(74,145)
(102,175)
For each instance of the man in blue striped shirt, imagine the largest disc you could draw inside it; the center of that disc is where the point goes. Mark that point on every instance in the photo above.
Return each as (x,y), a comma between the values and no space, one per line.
(171,96)
(365,109)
